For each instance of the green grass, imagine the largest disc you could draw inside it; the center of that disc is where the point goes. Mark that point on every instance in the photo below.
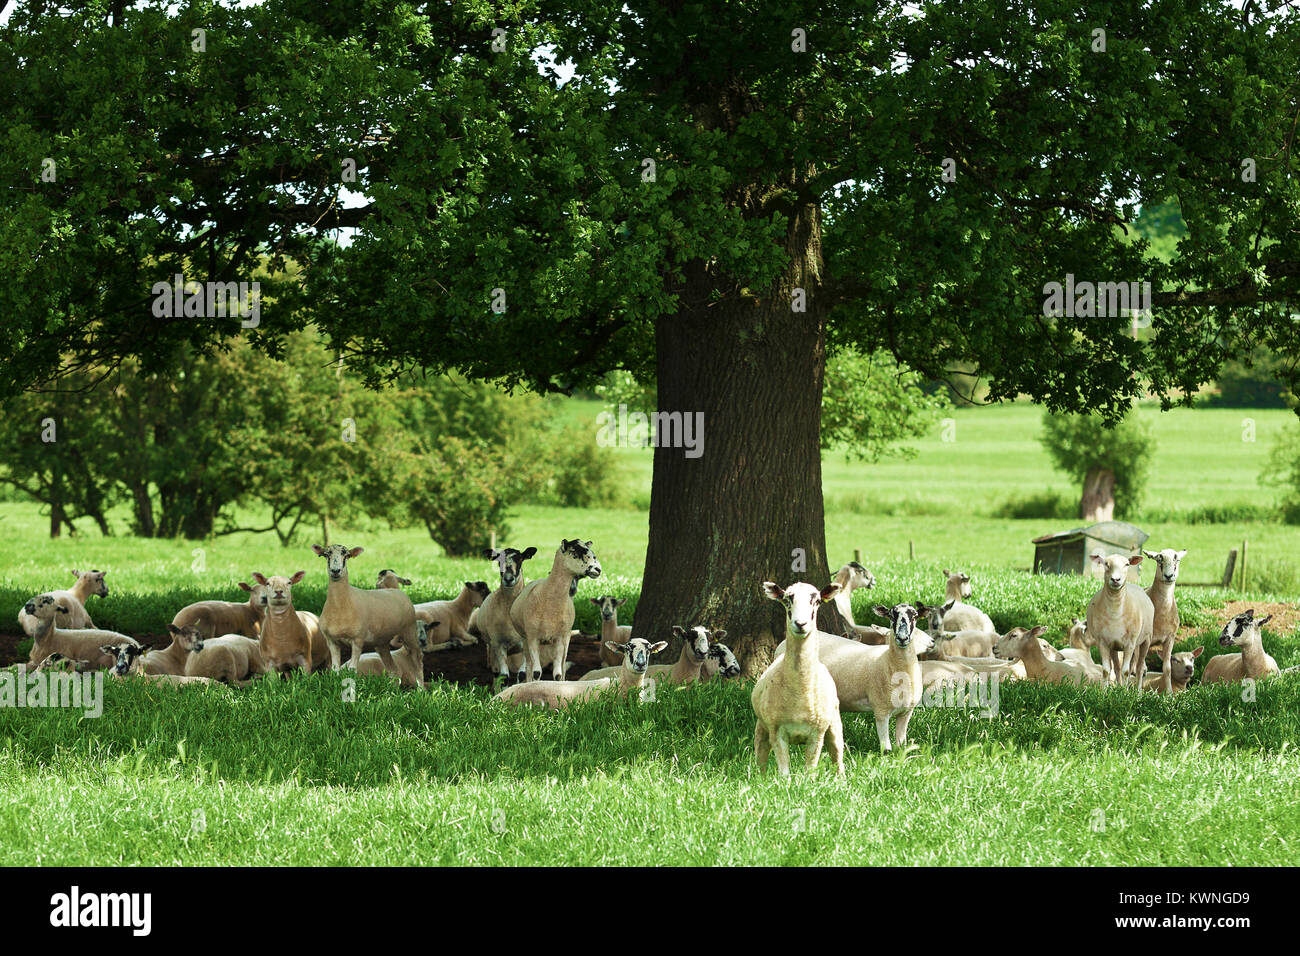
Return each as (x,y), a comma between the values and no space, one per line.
(293,774)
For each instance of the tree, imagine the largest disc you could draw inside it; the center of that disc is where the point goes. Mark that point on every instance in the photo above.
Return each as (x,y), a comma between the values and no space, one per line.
(700,201)
(1110,461)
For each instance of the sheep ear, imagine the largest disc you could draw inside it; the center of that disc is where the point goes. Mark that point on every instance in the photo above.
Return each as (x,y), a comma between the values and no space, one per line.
(406,581)
(947,573)
(881,611)
(1180,554)
(564,544)
(260,578)
(595,601)
(318,549)
(619,602)
(773,590)
(948,606)
(244,586)
(677,631)
(109,649)
(719,635)
(658,646)
(1263,620)
(1039,631)
(616,647)
(76,573)
(1197,652)
(527,553)
(173,629)
(490,554)
(830,591)
(1097,558)
(354,552)
(298,576)
(1149,554)
(1136,559)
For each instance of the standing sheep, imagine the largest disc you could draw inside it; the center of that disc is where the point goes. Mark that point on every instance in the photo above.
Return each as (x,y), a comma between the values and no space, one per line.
(543,612)
(1119,618)
(1164,622)
(493,621)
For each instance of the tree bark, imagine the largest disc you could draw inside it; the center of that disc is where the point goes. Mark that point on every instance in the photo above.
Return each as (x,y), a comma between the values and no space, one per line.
(1098,500)
(725,521)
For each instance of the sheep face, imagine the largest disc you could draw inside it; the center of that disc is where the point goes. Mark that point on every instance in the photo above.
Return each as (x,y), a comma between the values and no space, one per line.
(609,606)
(579,559)
(336,557)
(57,662)
(130,659)
(801,602)
(958,578)
(44,607)
(697,640)
(277,590)
(1183,664)
(1078,634)
(636,653)
(1236,630)
(388,579)
(189,637)
(902,621)
(728,666)
(1011,645)
(510,562)
(933,613)
(1114,569)
(860,577)
(1166,563)
(98,587)
(478,591)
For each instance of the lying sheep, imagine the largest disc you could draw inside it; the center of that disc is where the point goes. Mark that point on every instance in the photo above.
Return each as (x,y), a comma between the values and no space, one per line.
(795,700)
(953,616)
(388,579)
(961,666)
(365,619)
(1021,644)
(373,665)
(452,617)
(956,585)
(556,694)
(696,645)
(610,630)
(130,662)
(1180,668)
(231,658)
(214,618)
(1241,631)
(492,619)
(721,663)
(1080,649)
(79,644)
(543,612)
(850,578)
(1119,618)
(868,634)
(88,585)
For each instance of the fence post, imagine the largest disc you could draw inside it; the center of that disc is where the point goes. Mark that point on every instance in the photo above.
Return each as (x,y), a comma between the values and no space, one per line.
(1231,567)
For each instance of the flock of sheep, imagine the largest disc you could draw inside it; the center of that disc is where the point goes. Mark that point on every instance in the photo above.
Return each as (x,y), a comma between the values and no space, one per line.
(886,671)
(528,626)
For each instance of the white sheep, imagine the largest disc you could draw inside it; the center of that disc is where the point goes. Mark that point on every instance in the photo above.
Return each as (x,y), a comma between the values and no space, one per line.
(610,630)
(795,700)
(850,578)
(543,612)
(1021,644)
(88,585)
(1180,668)
(387,578)
(130,662)
(492,619)
(697,644)
(1164,621)
(1119,618)
(1241,631)
(953,616)
(286,635)
(556,694)
(365,619)
(77,644)
(721,663)
(214,618)
(452,617)
(233,659)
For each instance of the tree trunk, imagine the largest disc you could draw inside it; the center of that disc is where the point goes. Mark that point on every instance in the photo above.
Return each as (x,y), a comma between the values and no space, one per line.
(723,522)
(1098,501)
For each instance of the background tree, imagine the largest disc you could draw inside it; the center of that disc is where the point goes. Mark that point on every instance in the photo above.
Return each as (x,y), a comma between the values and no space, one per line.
(1109,461)
(905,176)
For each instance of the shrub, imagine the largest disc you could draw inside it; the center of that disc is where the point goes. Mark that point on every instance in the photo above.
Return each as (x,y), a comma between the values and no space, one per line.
(1045,505)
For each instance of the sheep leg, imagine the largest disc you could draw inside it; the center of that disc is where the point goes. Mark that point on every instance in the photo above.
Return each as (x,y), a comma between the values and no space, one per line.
(385,655)
(882,731)
(499,659)
(900,727)
(533,659)
(1166,651)
(782,747)
(336,654)
(762,746)
(1117,667)
(835,745)
(414,658)
(812,751)
(561,655)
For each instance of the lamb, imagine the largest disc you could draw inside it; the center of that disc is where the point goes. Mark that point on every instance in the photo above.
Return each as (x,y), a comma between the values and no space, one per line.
(77,644)
(130,662)
(610,629)
(850,577)
(556,694)
(452,617)
(88,585)
(1119,618)
(231,658)
(795,700)
(1241,631)
(954,616)
(388,579)
(1181,666)
(959,666)
(493,617)
(365,619)
(543,612)
(1022,644)
(286,638)
(213,618)
(1164,623)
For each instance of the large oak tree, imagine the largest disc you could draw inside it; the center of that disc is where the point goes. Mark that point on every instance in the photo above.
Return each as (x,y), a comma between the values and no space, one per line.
(901,177)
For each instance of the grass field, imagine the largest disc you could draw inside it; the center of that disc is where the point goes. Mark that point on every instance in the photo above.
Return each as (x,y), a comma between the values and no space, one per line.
(294,773)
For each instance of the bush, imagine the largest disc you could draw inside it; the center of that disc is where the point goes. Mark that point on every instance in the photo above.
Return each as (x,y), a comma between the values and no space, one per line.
(1254,382)
(1080,445)
(587,475)
(1047,504)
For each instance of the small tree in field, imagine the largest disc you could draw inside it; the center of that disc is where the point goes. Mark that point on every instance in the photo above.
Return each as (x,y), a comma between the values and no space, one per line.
(1111,463)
